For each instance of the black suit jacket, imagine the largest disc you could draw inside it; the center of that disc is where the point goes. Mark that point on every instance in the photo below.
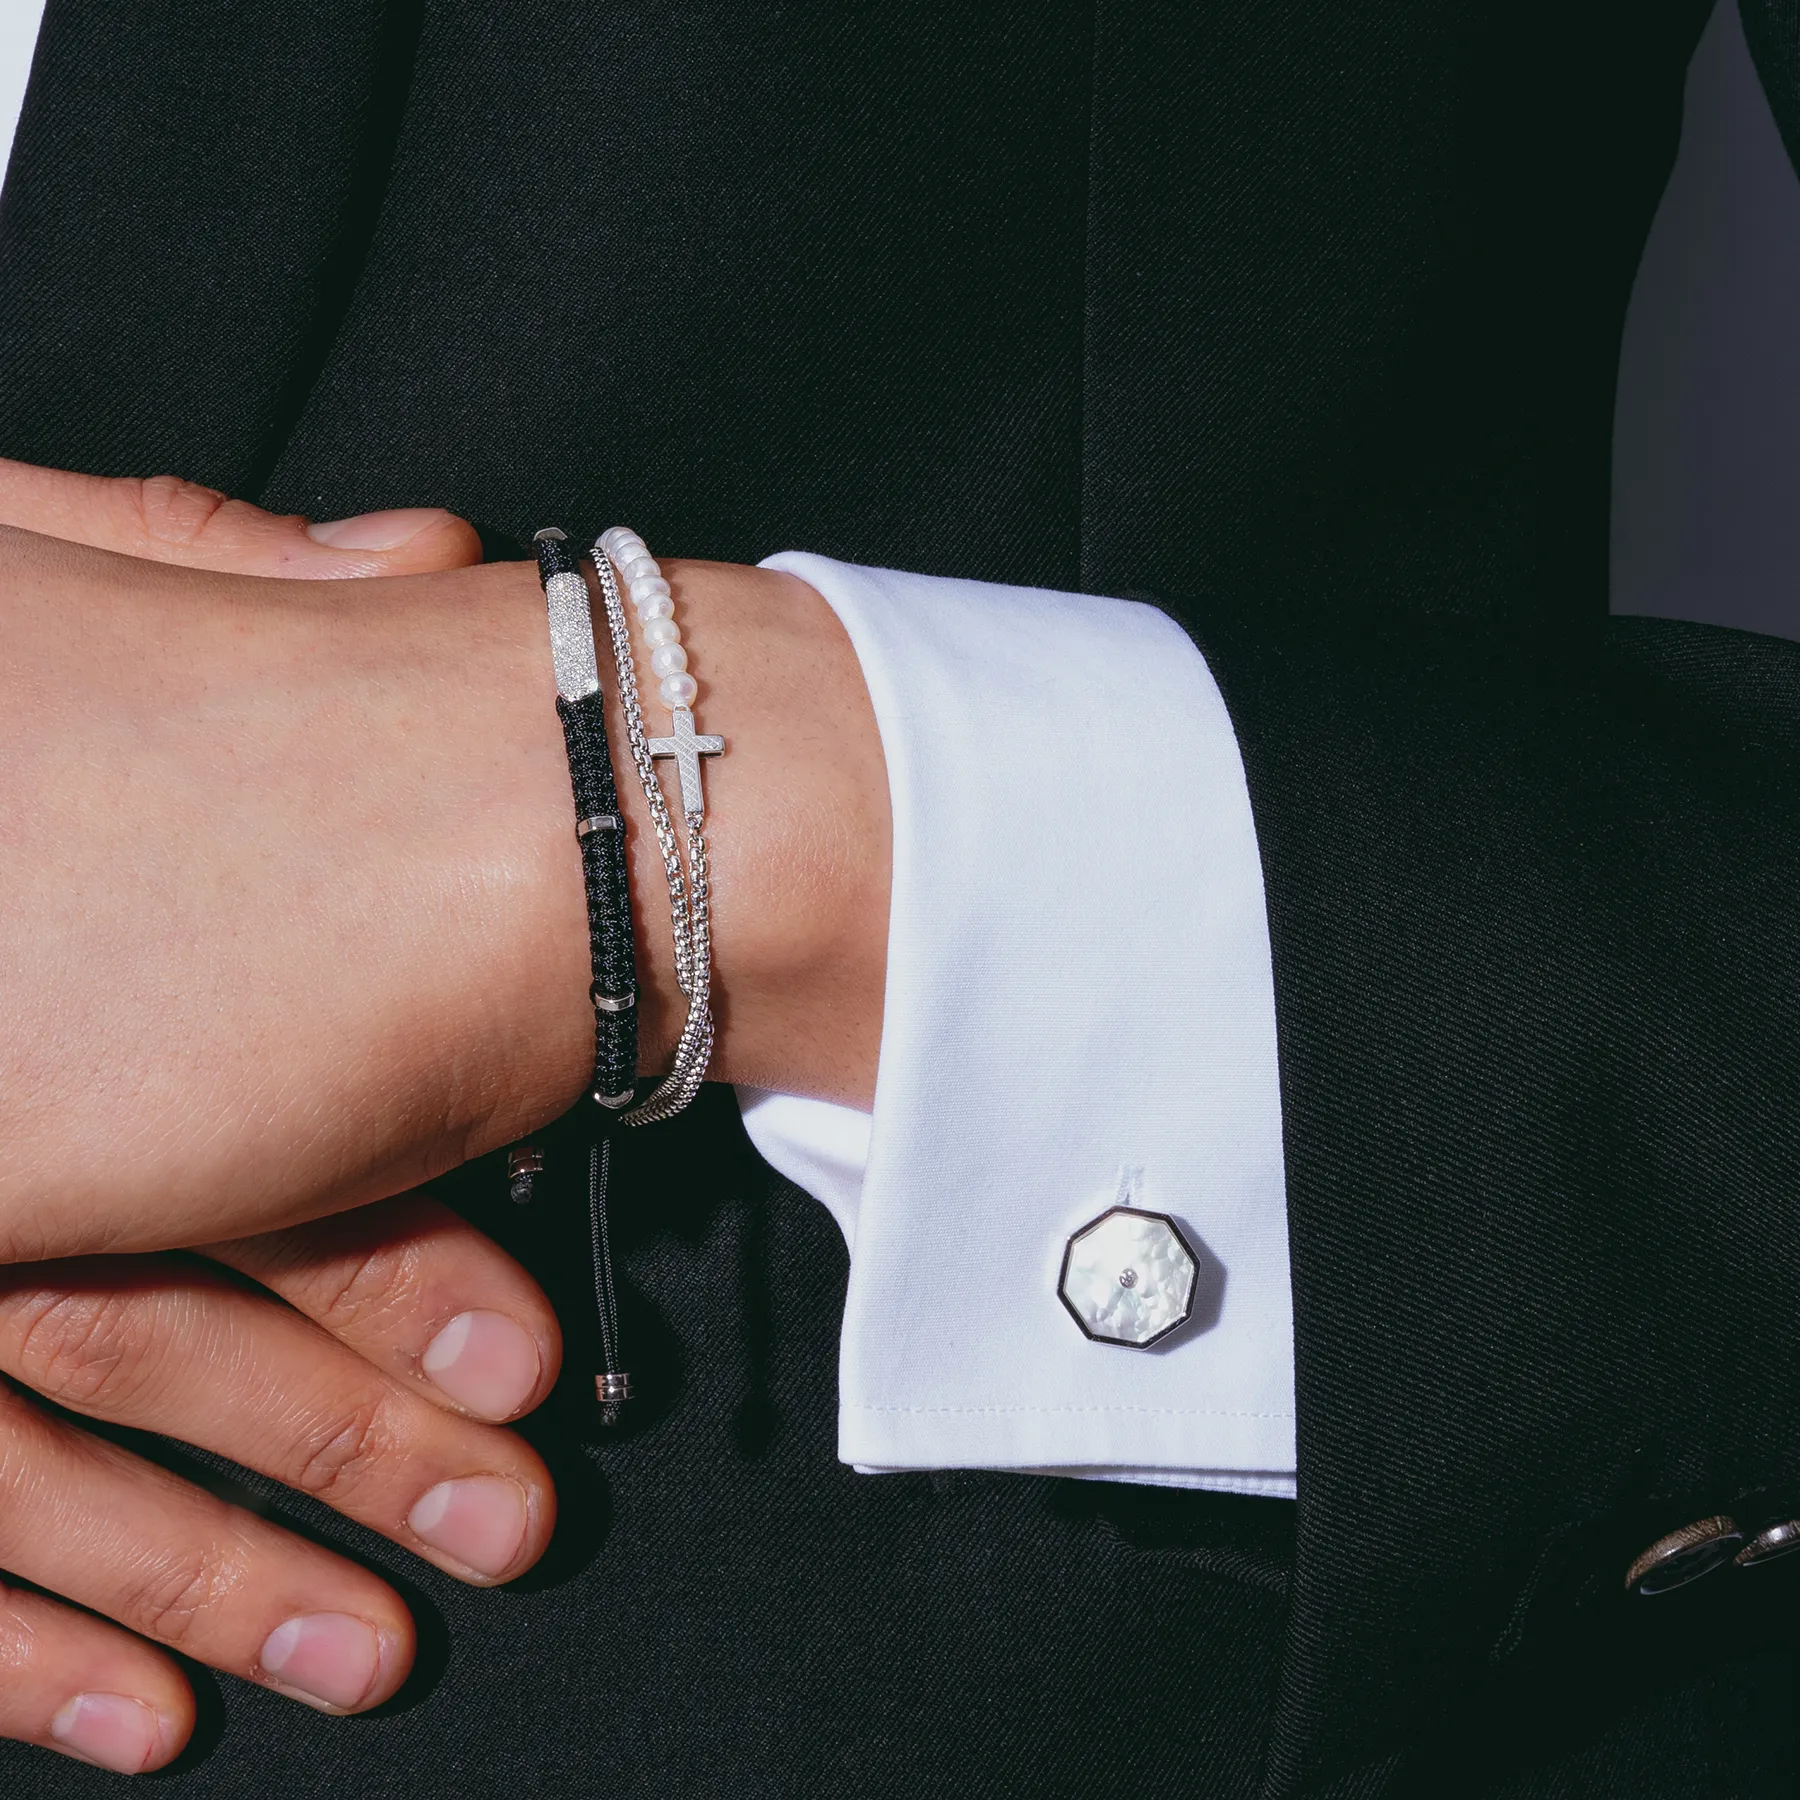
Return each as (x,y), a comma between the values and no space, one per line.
(1304,319)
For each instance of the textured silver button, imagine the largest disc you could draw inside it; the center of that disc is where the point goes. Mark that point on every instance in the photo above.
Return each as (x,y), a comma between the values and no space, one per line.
(1685,1555)
(1128,1277)
(1767,1545)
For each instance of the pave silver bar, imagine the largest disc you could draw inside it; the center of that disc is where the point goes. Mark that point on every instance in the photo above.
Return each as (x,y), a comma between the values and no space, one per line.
(572,637)
(571,633)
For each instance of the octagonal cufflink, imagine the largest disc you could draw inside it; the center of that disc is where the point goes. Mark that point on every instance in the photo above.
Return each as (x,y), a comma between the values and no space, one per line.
(1128,1276)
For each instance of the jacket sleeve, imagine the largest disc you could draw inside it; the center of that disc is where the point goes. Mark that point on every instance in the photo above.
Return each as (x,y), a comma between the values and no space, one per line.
(1533,903)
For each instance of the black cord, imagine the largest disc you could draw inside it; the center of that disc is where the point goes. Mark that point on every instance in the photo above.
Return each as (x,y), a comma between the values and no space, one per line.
(605,1300)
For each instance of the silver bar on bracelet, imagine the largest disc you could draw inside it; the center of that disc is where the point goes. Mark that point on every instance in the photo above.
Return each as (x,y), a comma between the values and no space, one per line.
(571,631)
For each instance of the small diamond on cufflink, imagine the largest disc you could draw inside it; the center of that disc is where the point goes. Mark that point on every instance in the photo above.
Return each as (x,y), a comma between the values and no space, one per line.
(1128,1276)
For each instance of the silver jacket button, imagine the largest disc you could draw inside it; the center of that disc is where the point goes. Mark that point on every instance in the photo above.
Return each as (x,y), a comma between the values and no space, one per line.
(1128,1277)
(1767,1545)
(1685,1555)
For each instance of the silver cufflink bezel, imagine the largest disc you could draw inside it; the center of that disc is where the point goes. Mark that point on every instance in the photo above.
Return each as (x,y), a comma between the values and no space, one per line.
(1185,1307)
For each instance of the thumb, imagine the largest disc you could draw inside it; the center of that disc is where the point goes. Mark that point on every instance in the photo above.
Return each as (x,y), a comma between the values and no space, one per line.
(169,520)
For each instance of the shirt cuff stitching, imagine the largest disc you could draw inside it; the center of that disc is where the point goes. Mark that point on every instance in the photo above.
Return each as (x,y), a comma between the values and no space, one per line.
(1183,1412)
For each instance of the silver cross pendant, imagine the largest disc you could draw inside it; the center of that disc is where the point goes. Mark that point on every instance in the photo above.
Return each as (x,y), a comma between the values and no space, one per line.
(687,749)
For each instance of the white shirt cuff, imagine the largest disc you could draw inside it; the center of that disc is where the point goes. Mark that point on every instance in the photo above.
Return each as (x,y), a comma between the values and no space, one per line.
(1079,995)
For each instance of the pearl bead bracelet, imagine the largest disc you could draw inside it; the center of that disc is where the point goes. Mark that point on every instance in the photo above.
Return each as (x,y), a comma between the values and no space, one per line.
(655,605)
(690,891)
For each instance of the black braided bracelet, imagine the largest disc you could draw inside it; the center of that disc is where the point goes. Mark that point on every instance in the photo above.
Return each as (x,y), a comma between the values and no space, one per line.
(600,832)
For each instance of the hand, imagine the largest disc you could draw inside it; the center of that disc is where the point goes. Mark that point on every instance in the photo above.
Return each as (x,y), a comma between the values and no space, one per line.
(165,519)
(420,1317)
(290,908)
(216,1022)
(409,1328)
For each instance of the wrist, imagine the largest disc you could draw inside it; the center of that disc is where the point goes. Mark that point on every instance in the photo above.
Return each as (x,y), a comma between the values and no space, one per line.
(799,835)
(798,824)
(346,946)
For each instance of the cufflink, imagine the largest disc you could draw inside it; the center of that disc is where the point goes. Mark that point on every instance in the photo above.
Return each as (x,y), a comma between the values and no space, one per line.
(1128,1276)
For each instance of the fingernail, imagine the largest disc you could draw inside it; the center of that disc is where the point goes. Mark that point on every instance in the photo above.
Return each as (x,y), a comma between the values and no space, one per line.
(325,1659)
(479,1521)
(113,1730)
(377,530)
(484,1361)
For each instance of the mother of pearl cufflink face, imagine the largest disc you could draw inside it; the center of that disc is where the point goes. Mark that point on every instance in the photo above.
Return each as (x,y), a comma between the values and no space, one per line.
(1128,1277)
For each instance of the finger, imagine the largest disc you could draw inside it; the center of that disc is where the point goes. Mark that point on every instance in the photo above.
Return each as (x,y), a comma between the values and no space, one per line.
(74,1683)
(170,520)
(125,1538)
(421,1294)
(173,1348)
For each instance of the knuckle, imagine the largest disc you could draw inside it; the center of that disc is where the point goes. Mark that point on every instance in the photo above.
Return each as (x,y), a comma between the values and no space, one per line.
(18,1639)
(343,1455)
(81,1349)
(17,1440)
(172,511)
(376,1287)
(178,1593)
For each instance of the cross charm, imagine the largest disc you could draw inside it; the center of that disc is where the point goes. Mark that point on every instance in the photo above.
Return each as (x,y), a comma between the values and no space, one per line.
(687,750)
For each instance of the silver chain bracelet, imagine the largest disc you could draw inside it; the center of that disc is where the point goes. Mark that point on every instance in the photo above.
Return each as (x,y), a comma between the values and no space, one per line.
(690,889)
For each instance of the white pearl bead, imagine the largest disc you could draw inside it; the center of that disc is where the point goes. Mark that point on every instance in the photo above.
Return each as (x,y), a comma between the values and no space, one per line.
(642,568)
(668,659)
(642,590)
(661,631)
(615,540)
(678,690)
(658,606)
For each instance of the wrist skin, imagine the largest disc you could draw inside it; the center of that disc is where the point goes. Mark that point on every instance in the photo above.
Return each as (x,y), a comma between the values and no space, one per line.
(291,909)
(798,827)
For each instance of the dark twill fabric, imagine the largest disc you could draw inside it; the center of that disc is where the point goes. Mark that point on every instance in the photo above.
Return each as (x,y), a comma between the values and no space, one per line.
(1303,317)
